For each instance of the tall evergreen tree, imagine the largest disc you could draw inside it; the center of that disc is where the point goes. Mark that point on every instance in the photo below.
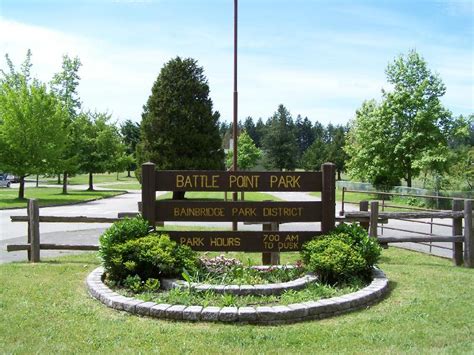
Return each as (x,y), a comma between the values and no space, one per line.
(251,129)
(260,129)
(335,148)
(130,132)
(304,134)
(180,129)
(279,142)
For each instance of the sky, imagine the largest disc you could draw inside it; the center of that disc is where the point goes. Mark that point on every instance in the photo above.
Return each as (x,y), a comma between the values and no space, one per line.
(321,59)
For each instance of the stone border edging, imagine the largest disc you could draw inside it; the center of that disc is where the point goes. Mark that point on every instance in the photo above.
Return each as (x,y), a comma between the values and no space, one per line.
(242,290)
(291,313)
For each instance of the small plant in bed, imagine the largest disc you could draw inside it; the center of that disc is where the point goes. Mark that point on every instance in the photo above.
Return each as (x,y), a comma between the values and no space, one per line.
(231,271)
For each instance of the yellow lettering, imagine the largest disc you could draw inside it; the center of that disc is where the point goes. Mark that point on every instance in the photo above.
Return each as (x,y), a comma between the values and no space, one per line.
(273,180)
(214,181)
(292,238)
(179,180)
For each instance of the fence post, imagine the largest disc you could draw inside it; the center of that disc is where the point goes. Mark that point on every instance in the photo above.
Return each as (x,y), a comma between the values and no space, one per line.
(457,230)
(364,207)
(33,230)
(271,258)
(468,235)
(328,197)
(341,212)
(149,193)
(374,218)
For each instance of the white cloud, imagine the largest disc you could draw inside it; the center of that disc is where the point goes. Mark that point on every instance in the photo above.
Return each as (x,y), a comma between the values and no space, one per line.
(117,77)
(113,78)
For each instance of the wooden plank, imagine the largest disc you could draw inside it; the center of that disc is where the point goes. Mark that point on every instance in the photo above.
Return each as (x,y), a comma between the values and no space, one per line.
(34,232)
(408,215)
(468,234)
(458,205)
(328,197)
(196,180)
(18,247)
(221,211)
(67,219)
(419,239)
(148,192)
(366,220)
(247,241)
(121,215)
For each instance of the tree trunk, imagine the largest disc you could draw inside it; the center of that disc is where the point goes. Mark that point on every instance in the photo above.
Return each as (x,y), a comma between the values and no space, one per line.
(128,173)
(409,178)
(21,190)
(65,183)
(91,183)
(339,175)
(178,195)
(59,178)
(37,180)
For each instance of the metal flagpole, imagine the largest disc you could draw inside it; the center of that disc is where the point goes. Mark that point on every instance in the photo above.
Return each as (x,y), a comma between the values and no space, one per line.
(235,102)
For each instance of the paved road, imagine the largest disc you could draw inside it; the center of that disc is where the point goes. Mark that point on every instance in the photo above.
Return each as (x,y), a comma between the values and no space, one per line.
(82,233)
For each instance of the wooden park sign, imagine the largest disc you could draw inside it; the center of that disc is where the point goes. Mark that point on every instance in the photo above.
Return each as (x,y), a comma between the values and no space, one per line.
(240,211)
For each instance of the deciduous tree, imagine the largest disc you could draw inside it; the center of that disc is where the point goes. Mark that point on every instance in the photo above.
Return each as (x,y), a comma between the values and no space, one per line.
(32,125)
(65,84)
(388,140)
(248,154)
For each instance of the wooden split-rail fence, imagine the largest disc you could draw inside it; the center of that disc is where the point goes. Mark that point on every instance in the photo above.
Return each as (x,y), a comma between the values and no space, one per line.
(270,214)
(462,238)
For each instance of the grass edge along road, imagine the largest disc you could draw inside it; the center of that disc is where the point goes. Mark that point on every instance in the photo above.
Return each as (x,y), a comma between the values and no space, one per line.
(429,310)
(52,196)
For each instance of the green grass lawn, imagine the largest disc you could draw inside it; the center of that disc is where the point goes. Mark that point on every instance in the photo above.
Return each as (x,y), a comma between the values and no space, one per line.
(51,196)
(45,308)
(83,179)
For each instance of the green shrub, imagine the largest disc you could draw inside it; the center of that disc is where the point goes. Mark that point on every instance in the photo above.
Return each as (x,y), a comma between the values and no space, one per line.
(345,253)
(120,232)
(127,250)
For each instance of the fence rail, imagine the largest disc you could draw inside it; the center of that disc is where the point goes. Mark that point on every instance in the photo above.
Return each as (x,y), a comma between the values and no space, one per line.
(462,238)
(463,242)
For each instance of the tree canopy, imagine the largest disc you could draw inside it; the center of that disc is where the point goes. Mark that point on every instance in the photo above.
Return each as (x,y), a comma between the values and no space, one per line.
(179,128)
(388,140)
(279,142)
(248,154)
(33,125)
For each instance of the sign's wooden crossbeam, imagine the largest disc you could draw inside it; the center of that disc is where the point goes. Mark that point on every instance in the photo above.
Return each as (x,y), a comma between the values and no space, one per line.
(195,180)
(248,241)
(242,211)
